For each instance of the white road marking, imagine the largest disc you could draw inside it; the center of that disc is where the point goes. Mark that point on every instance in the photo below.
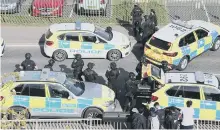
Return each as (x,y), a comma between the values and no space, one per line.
(206,12)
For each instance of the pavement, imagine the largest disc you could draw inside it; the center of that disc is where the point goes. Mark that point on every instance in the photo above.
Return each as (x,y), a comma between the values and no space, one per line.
(195,9)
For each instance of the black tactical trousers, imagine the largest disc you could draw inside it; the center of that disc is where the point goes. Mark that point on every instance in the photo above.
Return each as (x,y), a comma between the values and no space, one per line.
(77,75)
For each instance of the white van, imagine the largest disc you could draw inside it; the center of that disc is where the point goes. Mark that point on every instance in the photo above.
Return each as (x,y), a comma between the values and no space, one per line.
(87,6)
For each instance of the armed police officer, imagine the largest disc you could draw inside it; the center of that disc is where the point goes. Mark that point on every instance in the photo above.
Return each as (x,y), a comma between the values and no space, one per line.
(109,31)
(165,66)
(131,87)
(148,28)
(89,74)
(136,19)
(50,64)
(112,75)
(77,66)
(28,64)
(153,16)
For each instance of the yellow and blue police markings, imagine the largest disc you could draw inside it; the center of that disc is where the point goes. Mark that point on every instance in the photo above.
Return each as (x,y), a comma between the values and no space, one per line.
(214,34)
(201,107)
(52,104)
(85,47)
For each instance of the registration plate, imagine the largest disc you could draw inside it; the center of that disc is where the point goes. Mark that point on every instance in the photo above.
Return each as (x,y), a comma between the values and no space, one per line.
(45,13)
(157,52)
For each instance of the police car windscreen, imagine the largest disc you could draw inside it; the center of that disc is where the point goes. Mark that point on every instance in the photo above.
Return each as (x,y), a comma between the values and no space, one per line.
(156,72)
(102,33)
(77,88)
(48,34)
(159,43)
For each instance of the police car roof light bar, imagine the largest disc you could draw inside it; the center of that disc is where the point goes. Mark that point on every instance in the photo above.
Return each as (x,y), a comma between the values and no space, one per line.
(78,25)
(199,77)
(182,23)
(45,74)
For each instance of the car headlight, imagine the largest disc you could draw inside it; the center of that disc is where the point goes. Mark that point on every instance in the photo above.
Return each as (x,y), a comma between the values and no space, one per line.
(126,46)
(108,103)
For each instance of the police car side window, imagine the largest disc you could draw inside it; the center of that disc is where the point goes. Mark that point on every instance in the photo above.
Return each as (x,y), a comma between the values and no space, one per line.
(201,33)
(101,40)
(18,89)
(191,92)
(36,90)
(88,37)
(188,39)
(172,91)
(211,94)
(72,37)
(56,91)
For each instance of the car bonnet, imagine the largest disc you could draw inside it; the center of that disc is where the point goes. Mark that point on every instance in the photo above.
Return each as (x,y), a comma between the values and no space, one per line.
(211,79)
(94,90)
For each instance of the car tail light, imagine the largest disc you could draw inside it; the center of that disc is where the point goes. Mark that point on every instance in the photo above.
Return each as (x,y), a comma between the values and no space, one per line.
(154,98)
(1,98)
(102,1)
(171,54)
(81,1)
(49,43)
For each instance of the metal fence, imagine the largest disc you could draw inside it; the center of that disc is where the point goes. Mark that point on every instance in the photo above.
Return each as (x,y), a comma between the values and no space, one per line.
(95,11)
(207,10)
(85,124)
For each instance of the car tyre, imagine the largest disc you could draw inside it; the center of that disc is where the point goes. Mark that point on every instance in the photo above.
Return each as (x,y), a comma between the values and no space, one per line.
(216,44)
(18,113)
(93,113)
(114,55)
(60,55)
(183,64)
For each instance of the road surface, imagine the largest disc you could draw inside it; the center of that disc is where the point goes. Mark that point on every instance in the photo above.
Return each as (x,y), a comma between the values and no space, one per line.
(20,40)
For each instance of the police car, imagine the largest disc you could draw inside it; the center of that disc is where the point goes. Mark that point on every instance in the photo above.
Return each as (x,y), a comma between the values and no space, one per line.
(180,41)
(64,40)
(2,47)
(49,94)
(177,88)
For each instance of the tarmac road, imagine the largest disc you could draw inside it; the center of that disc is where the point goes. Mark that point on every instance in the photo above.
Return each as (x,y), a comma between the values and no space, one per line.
(20,40)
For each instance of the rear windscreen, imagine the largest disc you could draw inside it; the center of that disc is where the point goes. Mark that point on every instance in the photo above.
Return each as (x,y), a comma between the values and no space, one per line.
(160,43)
(48,34)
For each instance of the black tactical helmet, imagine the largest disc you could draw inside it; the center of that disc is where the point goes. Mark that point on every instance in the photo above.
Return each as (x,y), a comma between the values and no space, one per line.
(78,56)
(131,75)
(51,61)
(152,10)
(28,55)
(108,29)
(113,65)
(164,63)
(90,65)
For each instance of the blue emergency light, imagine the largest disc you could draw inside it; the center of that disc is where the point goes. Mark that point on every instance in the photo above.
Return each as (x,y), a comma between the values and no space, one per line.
(78,25)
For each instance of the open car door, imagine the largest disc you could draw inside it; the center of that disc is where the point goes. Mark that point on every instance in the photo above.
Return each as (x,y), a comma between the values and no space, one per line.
(154,72)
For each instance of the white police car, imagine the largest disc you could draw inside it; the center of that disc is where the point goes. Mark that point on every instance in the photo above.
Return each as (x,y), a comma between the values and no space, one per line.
(64,40)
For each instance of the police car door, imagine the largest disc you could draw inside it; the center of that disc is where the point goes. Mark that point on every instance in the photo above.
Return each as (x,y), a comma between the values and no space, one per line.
(210,104)
(188,45)
(204,41)
(60,105)
(90,45)
(70,43)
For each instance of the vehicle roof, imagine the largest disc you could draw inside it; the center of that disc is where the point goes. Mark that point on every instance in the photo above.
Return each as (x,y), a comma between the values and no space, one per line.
(173,30)
(72,27)
(35,76)
(192,77)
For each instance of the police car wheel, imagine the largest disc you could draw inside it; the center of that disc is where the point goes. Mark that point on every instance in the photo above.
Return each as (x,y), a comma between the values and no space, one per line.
(93,113)
(183,64)
(114,55)
(60,55)
(216,44)
(18,113)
